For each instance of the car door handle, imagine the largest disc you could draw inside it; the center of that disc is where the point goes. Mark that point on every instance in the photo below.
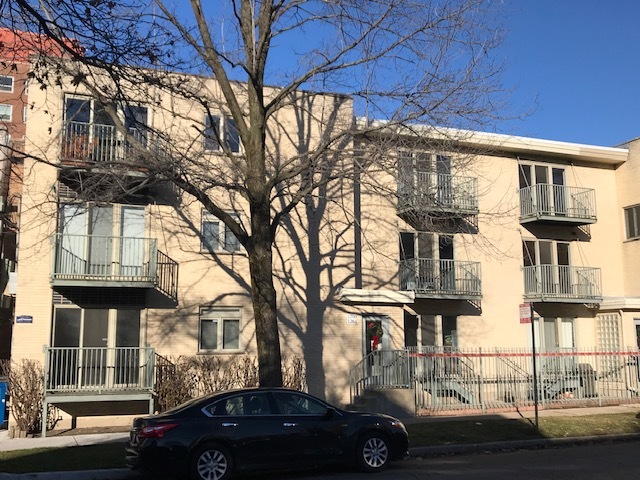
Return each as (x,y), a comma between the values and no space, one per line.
(287,424)
(229,424)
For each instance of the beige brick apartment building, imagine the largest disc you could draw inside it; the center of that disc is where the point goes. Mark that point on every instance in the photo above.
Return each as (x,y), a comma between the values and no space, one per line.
(477,225)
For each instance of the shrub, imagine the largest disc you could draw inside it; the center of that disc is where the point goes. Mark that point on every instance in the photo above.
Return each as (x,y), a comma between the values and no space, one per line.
(179,379)
(26,389)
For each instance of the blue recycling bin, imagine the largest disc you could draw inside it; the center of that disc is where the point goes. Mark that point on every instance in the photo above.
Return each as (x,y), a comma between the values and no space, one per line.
(3,400)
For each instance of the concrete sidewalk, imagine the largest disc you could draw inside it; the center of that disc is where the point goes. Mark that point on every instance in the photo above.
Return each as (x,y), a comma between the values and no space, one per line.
(60,441)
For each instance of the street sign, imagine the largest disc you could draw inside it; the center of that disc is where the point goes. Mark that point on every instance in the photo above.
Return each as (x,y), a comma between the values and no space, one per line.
(525,313)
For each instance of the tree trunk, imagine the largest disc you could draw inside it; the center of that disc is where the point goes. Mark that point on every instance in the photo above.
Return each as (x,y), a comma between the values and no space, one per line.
(264,299)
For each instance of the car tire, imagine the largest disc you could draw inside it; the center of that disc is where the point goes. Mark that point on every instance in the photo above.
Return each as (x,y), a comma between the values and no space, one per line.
(373,452)
(211,462)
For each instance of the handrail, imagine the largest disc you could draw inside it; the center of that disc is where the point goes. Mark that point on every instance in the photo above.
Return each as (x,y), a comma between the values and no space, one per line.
(562,281)
(94,142)
(453,277)
(112,258)
(560,201)
(80,369)
(431,190)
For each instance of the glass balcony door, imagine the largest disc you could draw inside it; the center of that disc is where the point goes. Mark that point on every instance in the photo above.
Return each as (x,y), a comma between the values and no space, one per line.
(95,348)
(93,243)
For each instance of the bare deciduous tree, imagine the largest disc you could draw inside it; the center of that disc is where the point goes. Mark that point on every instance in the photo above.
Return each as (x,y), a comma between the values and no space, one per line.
(400,61)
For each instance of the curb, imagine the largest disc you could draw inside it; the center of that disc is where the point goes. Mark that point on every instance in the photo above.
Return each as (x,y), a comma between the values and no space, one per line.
(108,474)
(518,445)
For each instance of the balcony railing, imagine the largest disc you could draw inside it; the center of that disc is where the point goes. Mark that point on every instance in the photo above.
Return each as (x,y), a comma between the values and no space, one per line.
(557,203)
(89,369)
(562,283)
(446,278)
(95,143)
(438,192)
(121,261)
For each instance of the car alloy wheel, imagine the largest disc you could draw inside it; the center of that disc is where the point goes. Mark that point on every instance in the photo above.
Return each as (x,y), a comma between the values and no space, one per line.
(373,452)
(211,462)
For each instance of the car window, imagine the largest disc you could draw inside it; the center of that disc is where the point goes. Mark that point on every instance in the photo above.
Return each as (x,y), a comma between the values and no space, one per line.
(290,403)
(240,405)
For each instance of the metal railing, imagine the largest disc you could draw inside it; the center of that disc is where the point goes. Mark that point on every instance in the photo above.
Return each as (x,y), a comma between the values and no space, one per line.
(558,201)
(380,369)
(451,379)
(88,369)
(90,142)
(444,277)
(116,259)
(438,191)
(562,282)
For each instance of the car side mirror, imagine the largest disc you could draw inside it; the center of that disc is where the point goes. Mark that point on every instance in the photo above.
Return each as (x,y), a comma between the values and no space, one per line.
(330,413)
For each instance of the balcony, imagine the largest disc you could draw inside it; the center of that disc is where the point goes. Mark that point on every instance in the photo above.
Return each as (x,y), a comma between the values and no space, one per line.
(441,279)
(99,381)
(439,193)
(547,203)
(96,269)
(87,144)
(562,284)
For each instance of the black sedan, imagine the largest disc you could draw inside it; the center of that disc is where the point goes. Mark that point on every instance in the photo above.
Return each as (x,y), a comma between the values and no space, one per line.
(213,436)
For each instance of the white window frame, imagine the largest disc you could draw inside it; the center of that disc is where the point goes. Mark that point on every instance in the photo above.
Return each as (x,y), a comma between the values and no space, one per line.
(219,316)
(633,212)
(11,87)
(564,333)
(210,142)
(223,234)
(10,108)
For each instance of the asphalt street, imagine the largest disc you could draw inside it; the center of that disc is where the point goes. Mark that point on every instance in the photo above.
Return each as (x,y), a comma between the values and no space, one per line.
(619,461)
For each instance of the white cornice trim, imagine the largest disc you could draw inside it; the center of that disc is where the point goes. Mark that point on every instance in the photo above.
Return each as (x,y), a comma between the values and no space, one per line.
(507,143)
(357,296)
(620,303)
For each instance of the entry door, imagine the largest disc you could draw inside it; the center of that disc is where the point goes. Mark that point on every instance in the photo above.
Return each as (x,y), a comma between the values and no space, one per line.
(63,362)
(95,339)
(445,187)
(427,265)
(133,254)
(101,240)
(71,256)
(447,268)
(376,333)
(559,192)
(135,122)
(127,359)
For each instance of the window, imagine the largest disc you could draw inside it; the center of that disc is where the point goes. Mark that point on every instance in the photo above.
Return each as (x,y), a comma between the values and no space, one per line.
(213,133)
(241,405)
(24,114)
(219,329)
(632,220)
(216,237)
(290,403)
(5,112)
(450,331)
(554,334)
(6,84)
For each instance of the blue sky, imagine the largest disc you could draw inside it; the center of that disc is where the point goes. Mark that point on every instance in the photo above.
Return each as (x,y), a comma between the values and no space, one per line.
(575,66)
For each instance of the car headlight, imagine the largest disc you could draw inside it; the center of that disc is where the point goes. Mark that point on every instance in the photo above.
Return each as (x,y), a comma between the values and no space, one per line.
(398,424)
